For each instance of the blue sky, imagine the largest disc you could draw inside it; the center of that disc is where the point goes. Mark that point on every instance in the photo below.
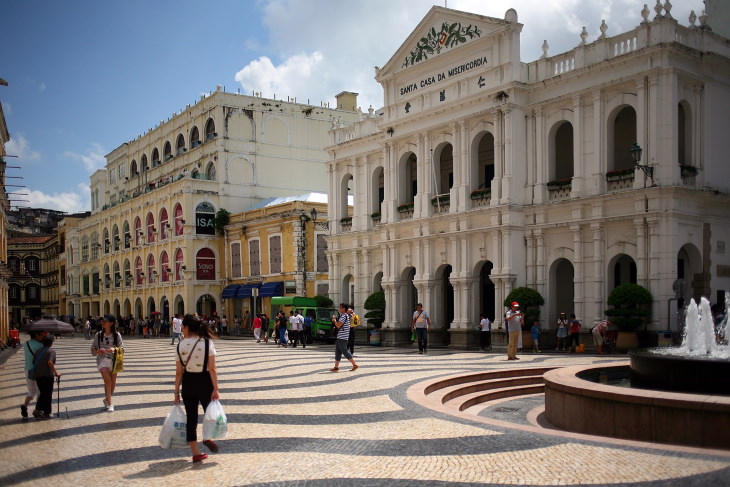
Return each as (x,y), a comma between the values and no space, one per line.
(85,76)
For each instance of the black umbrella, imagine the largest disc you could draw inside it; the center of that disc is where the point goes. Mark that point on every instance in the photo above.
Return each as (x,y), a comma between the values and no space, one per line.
(50,325)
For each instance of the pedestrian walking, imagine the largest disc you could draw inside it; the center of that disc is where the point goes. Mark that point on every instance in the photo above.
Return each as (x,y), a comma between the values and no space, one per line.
(44,369)
(342,324)
(31,348)
(176,329)
(485,333)
(515,319)
(293,329)
(421,324)
(87,328)
(224,326)
(282,329)
(265,327)
(257,328)
(104,347)
(196,374)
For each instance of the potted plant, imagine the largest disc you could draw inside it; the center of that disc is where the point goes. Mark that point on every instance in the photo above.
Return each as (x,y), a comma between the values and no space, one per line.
(688,171)
(482,193)
(442,199)
(559,184)
(405,207)
(530,302)
(375,216)
(620,174)
(375,304)
(346,221)
(631,308)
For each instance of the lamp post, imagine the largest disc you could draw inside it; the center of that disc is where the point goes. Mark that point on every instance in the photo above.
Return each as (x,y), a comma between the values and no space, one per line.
(636,156)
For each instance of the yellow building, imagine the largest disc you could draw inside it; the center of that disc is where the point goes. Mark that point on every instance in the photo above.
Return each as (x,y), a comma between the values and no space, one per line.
(276,249)
(152,242)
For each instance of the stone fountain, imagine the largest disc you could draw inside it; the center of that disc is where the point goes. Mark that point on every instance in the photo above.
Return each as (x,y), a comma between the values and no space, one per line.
(700,365)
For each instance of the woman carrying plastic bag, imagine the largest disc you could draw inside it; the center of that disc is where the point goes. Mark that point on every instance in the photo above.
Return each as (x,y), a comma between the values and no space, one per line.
(196,373)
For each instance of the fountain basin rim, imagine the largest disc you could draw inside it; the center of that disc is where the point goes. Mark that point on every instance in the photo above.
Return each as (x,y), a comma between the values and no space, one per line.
(566,379)
(655,353)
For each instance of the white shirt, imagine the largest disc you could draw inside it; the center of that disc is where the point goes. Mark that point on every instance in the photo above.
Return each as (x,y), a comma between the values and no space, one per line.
(514,323)
(196,362)
(176,325)
(485,324)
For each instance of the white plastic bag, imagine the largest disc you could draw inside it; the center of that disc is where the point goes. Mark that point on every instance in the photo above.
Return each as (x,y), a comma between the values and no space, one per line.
(173,434)
(215,423)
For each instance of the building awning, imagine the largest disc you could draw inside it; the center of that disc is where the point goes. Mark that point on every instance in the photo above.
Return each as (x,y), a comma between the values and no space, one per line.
(272,289)
(245,290)
(229,292)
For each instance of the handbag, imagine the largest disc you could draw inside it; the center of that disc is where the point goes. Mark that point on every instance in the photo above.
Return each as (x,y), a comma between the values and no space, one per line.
(173,434)
(118,361)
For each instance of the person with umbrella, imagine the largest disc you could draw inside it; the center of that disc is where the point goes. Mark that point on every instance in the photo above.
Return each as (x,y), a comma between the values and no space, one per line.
(104,347)
(44,370)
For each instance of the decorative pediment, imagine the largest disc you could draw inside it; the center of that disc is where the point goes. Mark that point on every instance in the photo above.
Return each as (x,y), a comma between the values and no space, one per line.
(441,31)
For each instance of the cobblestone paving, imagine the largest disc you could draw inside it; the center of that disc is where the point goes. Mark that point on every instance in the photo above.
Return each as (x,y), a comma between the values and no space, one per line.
(292,422)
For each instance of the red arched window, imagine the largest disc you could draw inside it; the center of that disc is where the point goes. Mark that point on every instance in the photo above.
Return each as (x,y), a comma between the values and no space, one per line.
(150,228)
(165,267)
(178,264)
(138,272)
(164,224)
(151,271)
(205,265)
(179,222)
(137,231)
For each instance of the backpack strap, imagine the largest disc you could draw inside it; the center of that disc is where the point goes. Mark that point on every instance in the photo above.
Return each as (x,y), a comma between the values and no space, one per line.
(30,349)
(205,360)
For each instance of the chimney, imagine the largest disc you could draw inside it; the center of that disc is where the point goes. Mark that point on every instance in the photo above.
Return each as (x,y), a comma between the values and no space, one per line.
(347,100)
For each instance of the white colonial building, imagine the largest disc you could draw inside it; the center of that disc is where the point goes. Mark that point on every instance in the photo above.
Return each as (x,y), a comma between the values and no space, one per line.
(483,173)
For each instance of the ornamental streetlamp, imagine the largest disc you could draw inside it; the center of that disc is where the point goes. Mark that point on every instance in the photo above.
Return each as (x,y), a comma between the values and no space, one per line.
(636,155)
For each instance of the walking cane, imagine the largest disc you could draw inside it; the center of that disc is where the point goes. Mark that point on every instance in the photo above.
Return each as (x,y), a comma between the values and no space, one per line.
(58,397)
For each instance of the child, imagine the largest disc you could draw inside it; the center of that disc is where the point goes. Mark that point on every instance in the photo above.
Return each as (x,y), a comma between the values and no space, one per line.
(535,330)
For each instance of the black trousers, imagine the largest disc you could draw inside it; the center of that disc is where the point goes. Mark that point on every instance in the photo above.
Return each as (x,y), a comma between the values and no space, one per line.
(485,339)
(45,398)
(196,389)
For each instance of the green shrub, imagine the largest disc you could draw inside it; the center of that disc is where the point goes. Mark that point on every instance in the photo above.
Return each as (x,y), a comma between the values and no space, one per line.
(530,302)
(375,304)
(631,306)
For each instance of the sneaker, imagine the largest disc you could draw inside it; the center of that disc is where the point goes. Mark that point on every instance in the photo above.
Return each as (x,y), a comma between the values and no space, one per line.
(210,444)
(200,458)
(110,408)
(24,411)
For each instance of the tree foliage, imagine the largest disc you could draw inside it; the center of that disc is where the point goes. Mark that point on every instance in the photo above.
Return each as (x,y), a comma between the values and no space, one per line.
(323,301)
(375,304)
(631,306)
(222,217)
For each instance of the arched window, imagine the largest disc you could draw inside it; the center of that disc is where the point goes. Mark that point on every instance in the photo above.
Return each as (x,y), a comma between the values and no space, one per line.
(165,270)
(107,241)
(115,238)
(179,221)
(155,157)
(145,164)
(133,169)
(210,130)
(94,246)
(117,275)
(179,266)
(167,151)
(137,231)
(194,138)
(127,235)
(164,224)
(210,172)
(563,152)
(85,249)
(127,273)
(180,145)
(624,137)
(150,228)
(138,272)
(151,271)
(205,265)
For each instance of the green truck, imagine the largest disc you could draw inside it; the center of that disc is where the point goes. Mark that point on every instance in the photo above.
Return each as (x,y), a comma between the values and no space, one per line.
(321,317)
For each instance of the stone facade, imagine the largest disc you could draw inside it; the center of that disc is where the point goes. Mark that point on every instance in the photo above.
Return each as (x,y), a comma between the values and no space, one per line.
(483,173)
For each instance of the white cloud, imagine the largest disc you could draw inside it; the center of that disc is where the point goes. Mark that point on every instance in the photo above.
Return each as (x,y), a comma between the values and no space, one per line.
(324,49)
(19,146)
(69,202)
(92,160)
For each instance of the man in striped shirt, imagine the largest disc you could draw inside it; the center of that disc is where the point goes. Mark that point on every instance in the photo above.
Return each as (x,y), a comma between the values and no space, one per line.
(343,334)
